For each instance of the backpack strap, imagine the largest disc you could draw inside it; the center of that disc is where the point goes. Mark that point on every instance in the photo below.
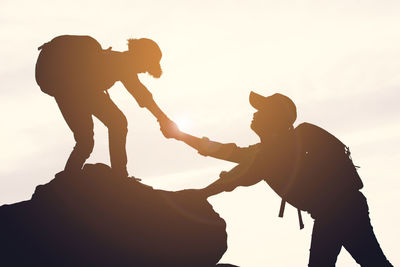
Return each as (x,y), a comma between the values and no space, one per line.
(300,219)
(282,210)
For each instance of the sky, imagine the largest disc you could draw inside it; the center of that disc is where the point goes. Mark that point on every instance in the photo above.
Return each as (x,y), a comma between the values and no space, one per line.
(338,60)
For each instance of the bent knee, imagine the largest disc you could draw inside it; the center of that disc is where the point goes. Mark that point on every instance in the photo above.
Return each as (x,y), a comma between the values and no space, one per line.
(84,146)
(119,124)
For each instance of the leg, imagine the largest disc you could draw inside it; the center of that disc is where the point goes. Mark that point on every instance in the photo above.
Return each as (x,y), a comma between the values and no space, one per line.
(80,121)
(360,240)
(325,244)
(112,117)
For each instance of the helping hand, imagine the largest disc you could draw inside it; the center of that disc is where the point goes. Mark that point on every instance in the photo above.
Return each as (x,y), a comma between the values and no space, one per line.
(169,128)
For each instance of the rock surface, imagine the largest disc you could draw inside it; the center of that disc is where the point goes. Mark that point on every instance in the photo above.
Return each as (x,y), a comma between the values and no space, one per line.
(94,219)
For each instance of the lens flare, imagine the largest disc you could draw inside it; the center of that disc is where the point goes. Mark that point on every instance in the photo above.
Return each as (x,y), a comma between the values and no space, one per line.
(183,123)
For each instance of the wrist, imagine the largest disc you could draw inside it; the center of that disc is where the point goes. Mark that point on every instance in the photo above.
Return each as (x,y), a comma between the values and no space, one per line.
(162,118)
(180,136)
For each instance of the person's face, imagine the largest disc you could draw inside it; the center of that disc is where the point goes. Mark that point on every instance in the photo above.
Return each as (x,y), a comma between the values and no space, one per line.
(258,124)
(267,123)
(145,64)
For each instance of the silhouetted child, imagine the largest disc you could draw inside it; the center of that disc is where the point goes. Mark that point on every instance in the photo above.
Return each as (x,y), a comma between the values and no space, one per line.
(309,168)
(78,72)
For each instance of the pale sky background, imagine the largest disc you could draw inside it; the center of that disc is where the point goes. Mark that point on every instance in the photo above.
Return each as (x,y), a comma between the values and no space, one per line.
(338,60)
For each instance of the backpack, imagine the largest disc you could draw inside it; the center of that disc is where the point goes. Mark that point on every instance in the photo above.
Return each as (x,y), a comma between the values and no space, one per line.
(325,173)
(67,61)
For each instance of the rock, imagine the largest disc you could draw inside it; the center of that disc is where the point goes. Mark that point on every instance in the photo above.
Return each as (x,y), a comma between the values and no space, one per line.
(95,219)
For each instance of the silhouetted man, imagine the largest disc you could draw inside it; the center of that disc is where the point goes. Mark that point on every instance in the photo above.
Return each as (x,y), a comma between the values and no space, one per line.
(78,72)
(310,169)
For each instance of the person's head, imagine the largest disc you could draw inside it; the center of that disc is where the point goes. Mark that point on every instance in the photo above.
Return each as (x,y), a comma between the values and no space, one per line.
(147,55)
(275,114)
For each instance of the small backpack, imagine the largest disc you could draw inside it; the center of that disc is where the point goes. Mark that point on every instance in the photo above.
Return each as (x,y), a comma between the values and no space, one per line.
(326,171)
(65,61)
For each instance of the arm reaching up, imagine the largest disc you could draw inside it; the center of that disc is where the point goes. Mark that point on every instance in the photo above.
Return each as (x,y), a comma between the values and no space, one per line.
(247,173)
(206,147)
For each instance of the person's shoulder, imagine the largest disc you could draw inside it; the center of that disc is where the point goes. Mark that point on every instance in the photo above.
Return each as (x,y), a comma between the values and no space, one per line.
(117,58)
(254,148)
(117,62)
(114,54)
(244,151)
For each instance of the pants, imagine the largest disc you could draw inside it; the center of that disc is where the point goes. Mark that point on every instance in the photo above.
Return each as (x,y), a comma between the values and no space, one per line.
(347,225)
(77,110)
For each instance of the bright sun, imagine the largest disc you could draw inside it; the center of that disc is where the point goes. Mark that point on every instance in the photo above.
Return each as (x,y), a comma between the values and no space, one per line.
(183,123)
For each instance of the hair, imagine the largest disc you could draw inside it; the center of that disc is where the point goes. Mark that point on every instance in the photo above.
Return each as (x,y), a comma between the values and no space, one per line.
(131,43)
(149,52)
(144,45)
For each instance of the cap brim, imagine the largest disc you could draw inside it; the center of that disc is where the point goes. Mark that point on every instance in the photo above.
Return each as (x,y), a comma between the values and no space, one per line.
(256,100)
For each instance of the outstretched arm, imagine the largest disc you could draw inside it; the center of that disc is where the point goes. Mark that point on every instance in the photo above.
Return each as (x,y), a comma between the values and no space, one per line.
(247,173)
(143,96)
(206,147)
(156,111)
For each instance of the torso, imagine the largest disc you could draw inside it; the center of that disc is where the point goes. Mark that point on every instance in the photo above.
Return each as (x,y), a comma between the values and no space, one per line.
(112,68)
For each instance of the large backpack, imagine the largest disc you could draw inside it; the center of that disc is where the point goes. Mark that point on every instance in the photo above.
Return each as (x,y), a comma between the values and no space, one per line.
(68,61)
(325,172)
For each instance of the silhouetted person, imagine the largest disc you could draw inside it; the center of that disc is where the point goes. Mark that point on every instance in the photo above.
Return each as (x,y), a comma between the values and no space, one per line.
(310,169)
(78,72)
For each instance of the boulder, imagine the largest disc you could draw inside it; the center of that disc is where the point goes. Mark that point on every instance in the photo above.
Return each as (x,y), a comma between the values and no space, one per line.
(95,219)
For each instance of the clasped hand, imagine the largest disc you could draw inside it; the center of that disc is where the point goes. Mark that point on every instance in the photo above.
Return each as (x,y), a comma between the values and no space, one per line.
(169,128)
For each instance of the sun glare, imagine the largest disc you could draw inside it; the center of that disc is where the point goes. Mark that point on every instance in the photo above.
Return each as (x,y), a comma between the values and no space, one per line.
(183,123)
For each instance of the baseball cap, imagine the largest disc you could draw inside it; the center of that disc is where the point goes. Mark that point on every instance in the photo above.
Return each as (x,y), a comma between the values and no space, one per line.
(274,104)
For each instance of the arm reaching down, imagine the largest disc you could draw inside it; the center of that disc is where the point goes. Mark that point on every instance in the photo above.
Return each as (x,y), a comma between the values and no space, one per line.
(143,97)
(206,147)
